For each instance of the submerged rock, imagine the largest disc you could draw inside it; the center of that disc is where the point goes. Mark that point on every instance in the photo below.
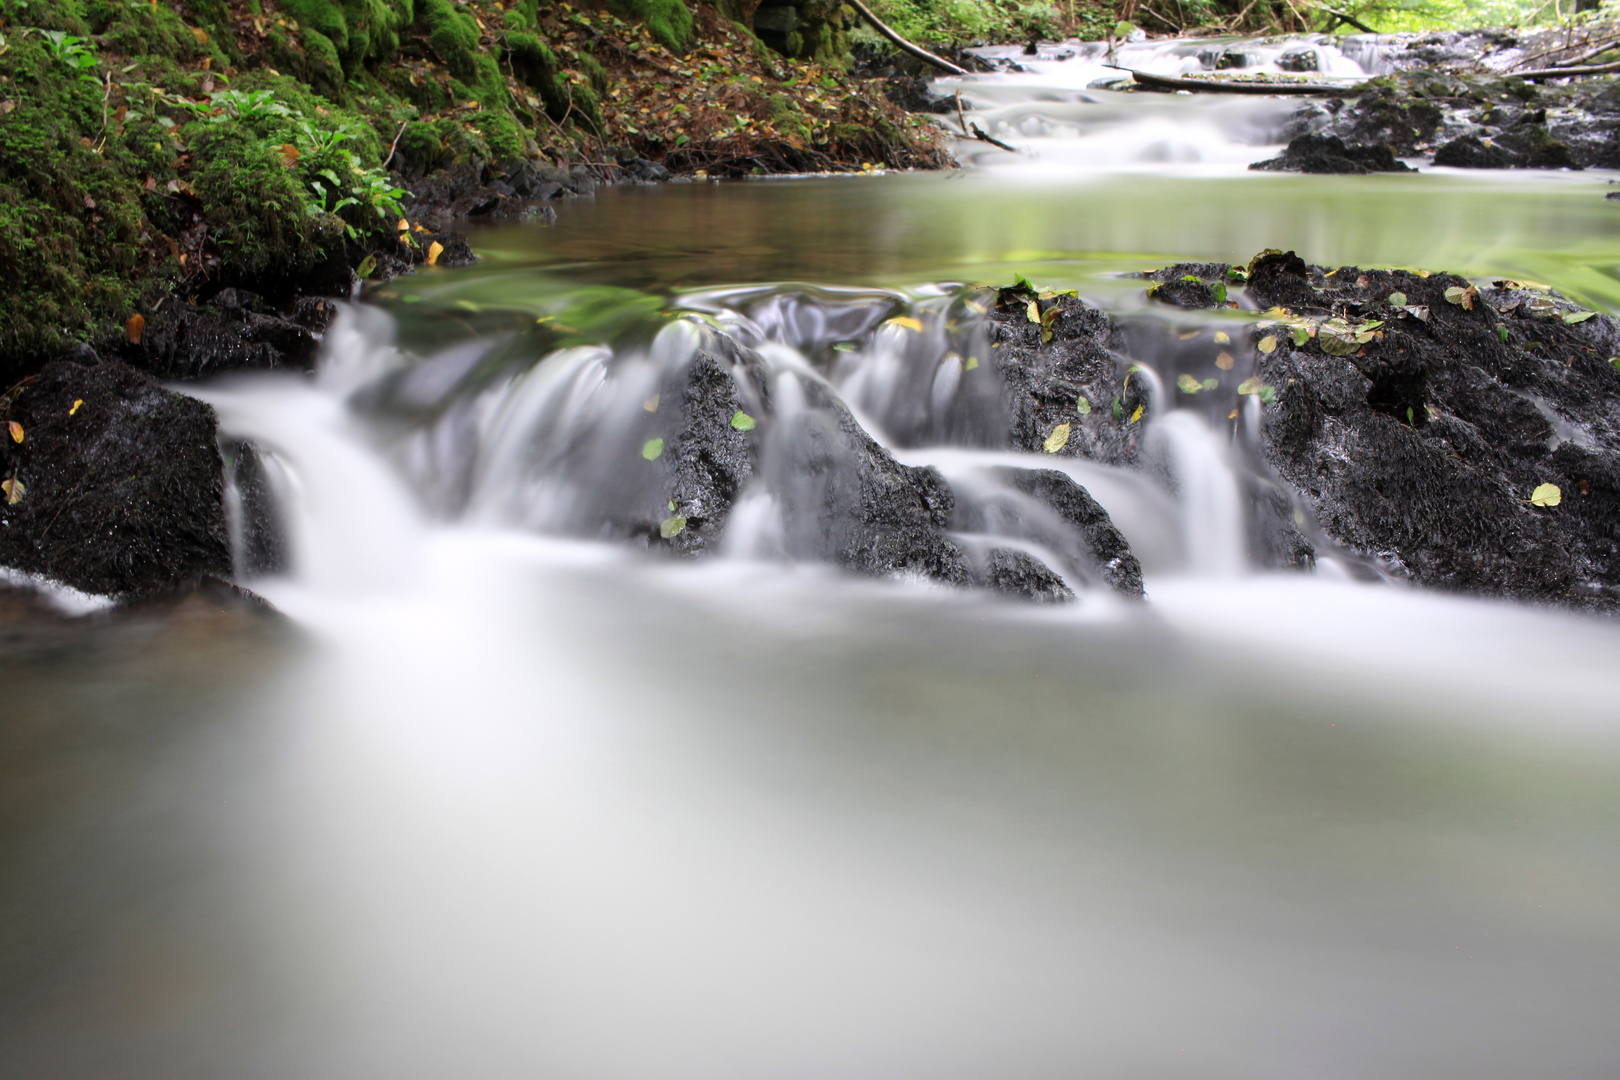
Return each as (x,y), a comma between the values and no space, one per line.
(1020,575)
(116,483)
(1104,551)
(1330,154)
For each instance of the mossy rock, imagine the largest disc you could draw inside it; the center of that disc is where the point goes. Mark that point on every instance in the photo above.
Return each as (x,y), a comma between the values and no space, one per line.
(668,21)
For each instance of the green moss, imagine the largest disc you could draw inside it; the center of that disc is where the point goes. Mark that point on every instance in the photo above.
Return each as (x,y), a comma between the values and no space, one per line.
(502,135)
(668,21)
(453,35)
(787,119)
(66,15)
(255,206)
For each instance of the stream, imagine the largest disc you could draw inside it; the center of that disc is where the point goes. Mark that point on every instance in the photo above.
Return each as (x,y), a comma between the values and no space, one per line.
(506,795)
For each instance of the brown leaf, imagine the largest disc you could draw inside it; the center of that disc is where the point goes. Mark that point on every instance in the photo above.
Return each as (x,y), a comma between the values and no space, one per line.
(89,203)
(7,106)
(135,328)
(150,183)
(200,34)
(15,429)
(289,154)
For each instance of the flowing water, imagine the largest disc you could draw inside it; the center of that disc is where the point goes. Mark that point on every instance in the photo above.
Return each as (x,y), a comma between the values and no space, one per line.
(505,798)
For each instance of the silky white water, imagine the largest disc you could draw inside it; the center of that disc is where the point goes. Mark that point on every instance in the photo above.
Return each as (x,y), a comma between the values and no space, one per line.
(507,799)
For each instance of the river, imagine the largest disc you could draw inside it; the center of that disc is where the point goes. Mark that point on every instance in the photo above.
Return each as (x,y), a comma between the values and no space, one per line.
(503,798)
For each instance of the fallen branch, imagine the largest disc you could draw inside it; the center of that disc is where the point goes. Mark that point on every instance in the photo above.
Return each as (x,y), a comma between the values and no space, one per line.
(1229,86)
(902,44)
(1565,73)
(979,133)
(395,144)
(961,117)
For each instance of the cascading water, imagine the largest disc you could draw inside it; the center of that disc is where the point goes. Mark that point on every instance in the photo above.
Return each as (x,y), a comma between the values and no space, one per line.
(517,793)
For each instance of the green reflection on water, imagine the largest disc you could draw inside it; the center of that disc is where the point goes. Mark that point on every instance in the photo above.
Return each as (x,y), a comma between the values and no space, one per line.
(894,230)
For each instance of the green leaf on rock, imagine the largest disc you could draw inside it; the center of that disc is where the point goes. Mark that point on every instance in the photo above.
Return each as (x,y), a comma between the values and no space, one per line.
(1082,406)
(1578,316)
(652,449)
(1058,439)
(1189,385)
(671,527)
(1397,299)
(1546,495)
(742,421)
(1267,344)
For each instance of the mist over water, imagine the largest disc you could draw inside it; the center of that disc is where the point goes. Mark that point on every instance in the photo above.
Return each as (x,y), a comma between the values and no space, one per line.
(508,798)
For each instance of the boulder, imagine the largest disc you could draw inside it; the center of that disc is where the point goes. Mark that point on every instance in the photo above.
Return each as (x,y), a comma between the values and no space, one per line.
(1330,154)
(116,482)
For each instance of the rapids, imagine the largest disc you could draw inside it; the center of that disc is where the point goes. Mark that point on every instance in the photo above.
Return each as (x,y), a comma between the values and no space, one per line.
(511,796)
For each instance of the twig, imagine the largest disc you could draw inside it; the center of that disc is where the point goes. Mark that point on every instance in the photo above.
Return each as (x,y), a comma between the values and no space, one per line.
(978,133)
(393,145)
(1147,10)
(1589,53)
(902,44)
(960,116)
(1222,86)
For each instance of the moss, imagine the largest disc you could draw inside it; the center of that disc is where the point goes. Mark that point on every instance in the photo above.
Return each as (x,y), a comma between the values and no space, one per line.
(325,66)
(454,37)
(501,134)
(66,15)
(787,119)
(668,21)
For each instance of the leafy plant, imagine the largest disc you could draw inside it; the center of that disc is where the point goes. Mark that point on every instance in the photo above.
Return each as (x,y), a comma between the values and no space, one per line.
(74,53)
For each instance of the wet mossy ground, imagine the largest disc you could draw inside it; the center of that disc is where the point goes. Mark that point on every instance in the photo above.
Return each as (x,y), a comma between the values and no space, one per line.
(156,153)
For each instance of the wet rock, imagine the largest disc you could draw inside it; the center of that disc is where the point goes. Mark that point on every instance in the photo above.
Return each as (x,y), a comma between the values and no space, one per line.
(1299,60)
(1330,154)
(1468,152)
(1074,379)
(1103,552)
(121,482)
(477,190)
(1020,575)
(1189,285)
(846,500)
(912,93)
(260,536)
(1419,451)
(234,330)
(706,458)
(1535,149)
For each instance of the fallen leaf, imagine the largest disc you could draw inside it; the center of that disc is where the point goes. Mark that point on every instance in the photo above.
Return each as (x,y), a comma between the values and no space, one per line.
(1058,439)
(1546,495)
(289,154)
(1189,385)
(404,226)
(367,267)
(671,527)
(200,34)
(1189,335)
(76,403)
(1456,294)
(135,328)
(973,362)
(1225,361)
(15,429)
(1578,316)
(1222,337)
(435,249)
(1267,344)
(741,421)
(906,322)
(1397,299)
(1137,415)
(14,490)
(1336,338)
(651,404)
(1033,311)
(652,449)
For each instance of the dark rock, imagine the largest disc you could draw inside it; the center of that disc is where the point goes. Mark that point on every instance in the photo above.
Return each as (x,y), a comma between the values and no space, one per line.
(1045,381)
(1019,575)
(707,459)
(1467,152)
(1190,285)
(123,492)
(1102,551)
(1299,60)
(1420,451)
(1330,154)
(846,500)
(259,534)
(1536,149)
(475,190)
(912,93)
(235,330)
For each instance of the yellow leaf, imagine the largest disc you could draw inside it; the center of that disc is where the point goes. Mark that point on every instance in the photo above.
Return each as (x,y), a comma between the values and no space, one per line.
(1137,415)
(1267,344)
(435,249)
(973,362)
(1058,439)
(1222,337)
(14,491)
(16,430)
(671,527)
(1188,384)
(1225,361)
(404,226)
(906,322)
(1546,495)
(76,403)
(1189,335)
(1034,312)
(651,404)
